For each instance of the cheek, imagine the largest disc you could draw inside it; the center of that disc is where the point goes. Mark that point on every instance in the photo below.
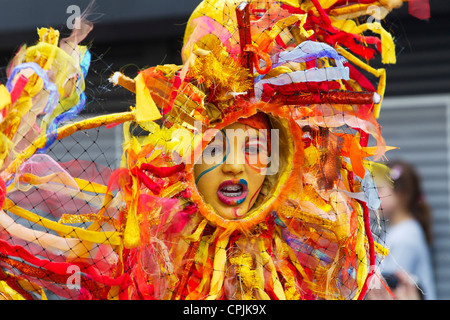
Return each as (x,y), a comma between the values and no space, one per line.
(198,169)
(203,179)
(257,162)
(258,178)
(255,181)
(204,168)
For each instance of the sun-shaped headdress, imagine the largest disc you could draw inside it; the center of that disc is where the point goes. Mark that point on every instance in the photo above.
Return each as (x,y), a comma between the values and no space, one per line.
(150,233)
(302,63)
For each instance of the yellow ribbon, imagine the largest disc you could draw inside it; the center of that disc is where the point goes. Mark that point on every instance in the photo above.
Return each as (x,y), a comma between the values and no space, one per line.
(198,232)
(220,258)
(5,97)
(8,292)
(132,232)
(146,109)
(360,252)
(268,262)
(104,237)
(65,131)
(380,73)
(387,43)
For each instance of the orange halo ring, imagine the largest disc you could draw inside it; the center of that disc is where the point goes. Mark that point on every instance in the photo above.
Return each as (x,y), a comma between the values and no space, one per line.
(286,181)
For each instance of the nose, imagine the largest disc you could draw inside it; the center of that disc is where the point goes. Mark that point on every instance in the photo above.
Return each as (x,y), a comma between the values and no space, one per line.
(234,164)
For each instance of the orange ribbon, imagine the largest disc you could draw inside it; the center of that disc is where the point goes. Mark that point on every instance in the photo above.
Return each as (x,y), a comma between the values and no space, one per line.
(259,54)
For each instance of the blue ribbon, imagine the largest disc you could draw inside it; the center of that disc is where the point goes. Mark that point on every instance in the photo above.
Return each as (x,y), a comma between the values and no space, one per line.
(53,95)
(72,112)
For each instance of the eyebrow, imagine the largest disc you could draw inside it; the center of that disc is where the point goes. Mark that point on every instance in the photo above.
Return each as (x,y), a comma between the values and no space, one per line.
(259,137)
(249,137)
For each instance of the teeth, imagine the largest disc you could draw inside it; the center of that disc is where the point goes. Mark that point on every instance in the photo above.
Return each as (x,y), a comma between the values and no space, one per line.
(231,194)
(231,188)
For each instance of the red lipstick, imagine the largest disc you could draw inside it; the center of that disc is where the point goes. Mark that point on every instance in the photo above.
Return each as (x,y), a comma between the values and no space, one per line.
(233,192)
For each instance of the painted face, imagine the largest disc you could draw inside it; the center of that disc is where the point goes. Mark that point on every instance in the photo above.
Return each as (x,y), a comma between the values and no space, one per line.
(232,170)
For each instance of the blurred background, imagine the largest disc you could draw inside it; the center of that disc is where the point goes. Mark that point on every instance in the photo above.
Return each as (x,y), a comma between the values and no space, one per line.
(134,34)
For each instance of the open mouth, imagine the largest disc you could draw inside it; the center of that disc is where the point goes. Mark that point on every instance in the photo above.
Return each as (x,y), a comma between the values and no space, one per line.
(233,192)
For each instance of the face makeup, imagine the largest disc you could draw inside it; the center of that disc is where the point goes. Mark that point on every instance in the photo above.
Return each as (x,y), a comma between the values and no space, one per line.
(231,176)
(233,192)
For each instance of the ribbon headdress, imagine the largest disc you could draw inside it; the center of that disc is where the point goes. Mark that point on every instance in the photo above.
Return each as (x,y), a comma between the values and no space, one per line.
(152,235)
(304,63)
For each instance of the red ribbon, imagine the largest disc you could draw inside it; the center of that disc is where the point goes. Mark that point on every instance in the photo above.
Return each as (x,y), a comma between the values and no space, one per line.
(2,192)
(162,172)
(419,9)
(149,183)
(371,250)
(18,88)
(61,268)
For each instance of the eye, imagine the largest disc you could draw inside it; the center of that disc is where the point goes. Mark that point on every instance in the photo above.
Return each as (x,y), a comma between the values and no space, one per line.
(254,148)
(213,150)
(251,149)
